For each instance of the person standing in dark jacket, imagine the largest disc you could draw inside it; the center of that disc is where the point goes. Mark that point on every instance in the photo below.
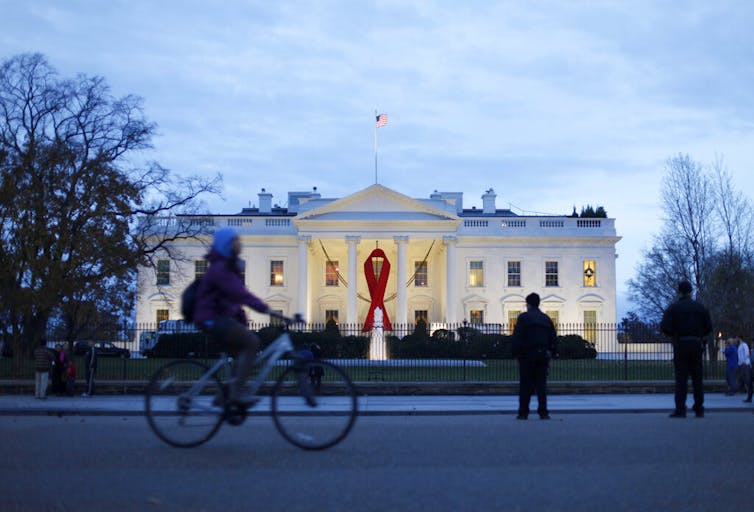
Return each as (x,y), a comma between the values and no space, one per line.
(687,321)
(219,311)
(534,344)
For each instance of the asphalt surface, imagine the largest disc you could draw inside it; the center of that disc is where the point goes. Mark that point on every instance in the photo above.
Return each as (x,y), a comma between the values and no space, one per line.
(130,405)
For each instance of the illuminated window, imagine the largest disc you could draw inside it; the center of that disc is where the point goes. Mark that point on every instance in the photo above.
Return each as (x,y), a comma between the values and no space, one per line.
(331,273)
(554,316)
(590,273)
(420,275)
(421,314)
(551,273)
(476,273)
(476,316)
(200,267)
(512,319)
(277,276)
(162,314)
(163,272)
(590,326)
(514,273)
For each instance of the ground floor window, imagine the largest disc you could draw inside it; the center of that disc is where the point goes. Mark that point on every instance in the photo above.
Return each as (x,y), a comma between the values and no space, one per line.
(512,319)
(590,326)
(476,316)
(162,314)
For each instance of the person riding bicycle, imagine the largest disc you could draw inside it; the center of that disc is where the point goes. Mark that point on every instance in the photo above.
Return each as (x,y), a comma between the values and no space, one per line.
(219,309)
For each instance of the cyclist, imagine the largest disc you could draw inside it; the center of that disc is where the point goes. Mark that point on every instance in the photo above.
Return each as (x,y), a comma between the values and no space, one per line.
(219,310)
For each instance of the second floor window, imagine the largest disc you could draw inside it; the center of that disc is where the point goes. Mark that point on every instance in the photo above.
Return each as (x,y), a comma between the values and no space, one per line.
(420,276)
(331,273)
(514,273)
(476,273)
(163,272)
(590,273)
(277,275)
(551,273)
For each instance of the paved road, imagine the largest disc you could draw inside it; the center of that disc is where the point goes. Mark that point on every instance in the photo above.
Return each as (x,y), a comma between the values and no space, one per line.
(584,462)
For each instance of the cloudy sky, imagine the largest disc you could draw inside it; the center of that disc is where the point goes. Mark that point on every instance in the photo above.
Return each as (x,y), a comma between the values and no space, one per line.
(554,104)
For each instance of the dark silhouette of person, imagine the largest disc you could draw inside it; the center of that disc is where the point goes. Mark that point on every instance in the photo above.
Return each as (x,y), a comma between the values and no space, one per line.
(534,344)
(687,322)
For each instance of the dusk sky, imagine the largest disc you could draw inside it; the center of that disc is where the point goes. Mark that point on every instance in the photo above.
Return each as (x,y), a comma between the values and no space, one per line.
(554,104)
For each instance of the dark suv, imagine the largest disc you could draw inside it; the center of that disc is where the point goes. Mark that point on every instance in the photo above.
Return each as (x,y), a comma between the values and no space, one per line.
(104,349)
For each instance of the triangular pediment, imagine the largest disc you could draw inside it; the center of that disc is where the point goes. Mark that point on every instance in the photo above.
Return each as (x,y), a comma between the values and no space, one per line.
(376,203)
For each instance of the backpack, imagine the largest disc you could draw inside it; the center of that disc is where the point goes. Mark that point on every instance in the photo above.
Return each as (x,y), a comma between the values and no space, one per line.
(188,299)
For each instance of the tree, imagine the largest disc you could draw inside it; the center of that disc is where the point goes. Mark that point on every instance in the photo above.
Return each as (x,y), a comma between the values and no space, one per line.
(706,239)
(74,207)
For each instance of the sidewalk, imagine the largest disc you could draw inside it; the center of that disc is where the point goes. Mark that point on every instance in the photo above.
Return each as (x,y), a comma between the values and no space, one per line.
(133,405)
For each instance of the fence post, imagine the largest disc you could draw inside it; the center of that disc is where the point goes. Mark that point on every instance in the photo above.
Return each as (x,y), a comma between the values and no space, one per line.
(625,361)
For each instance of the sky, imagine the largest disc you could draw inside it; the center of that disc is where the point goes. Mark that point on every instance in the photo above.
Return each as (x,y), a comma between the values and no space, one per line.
(553,104)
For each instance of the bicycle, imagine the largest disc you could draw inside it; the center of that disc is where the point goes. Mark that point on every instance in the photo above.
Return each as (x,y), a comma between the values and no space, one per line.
(313,402)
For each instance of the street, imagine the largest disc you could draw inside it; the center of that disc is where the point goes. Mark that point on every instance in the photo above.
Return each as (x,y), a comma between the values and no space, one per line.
(581,462)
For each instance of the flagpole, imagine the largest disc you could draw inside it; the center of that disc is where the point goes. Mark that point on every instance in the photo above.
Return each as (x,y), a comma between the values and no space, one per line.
(375,147)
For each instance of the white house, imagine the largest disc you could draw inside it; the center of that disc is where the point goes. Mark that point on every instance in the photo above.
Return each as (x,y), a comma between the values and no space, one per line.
(438,261)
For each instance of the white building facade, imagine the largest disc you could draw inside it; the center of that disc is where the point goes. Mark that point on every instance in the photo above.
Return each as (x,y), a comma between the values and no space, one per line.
(439,262)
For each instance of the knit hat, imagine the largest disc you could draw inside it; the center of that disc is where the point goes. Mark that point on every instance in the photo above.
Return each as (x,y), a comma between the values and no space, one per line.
(223,242)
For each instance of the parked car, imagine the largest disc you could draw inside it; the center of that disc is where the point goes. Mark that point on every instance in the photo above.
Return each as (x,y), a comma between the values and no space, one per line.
(104,349)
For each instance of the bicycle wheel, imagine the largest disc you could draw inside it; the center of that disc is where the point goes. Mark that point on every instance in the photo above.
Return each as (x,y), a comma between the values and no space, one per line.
(179,404)
(314,405)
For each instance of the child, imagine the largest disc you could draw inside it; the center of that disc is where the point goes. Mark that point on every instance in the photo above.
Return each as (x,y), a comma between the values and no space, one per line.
(70,373)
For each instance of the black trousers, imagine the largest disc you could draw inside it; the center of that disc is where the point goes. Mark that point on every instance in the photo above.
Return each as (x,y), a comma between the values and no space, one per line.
(532,378)
(687,361)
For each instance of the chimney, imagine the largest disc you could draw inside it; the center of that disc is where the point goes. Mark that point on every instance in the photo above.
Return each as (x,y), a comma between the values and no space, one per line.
(488,202)
(265,202)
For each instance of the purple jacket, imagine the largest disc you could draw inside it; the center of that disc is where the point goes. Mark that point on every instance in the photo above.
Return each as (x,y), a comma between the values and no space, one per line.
(222,293)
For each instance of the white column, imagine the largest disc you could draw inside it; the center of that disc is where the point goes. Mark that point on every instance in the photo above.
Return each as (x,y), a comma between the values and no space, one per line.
(351,308)
(451,293)
(302,305)
(400,305)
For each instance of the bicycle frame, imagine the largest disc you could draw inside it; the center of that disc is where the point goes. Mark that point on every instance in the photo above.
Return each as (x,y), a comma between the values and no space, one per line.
(272,354)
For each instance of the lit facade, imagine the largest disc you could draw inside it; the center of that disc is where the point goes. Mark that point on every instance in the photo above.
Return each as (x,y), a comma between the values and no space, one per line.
(446,264)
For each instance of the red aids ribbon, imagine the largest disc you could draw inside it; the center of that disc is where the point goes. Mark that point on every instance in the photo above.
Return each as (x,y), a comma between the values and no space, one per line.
(376,289)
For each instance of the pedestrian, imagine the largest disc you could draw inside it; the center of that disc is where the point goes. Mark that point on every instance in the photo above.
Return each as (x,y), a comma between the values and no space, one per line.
(43,358)
(687,322)
(70,373)
(316,371)
(751,375)
(58,370)
(731,366)
(744,368)
(90,365)
(534,344)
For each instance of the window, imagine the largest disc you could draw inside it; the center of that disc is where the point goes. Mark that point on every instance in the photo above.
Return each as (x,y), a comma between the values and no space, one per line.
(162,314)
(514,273)
(331,273)
(554,316)
(420,274)
(512,319)
(277,276)
(200,267)
(275,317)
(421,314)
(590,326)
(590,273)
(163,272)
(551,273)
(331,315)
(476,316)
(476,273)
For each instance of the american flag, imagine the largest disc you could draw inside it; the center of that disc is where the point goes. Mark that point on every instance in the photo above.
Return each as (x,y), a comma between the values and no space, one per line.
(381,120)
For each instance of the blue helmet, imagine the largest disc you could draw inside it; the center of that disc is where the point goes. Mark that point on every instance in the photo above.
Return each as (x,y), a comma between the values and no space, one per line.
(223,242)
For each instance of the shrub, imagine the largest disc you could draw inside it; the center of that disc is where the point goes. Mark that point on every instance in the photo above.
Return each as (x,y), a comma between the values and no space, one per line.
(574,346)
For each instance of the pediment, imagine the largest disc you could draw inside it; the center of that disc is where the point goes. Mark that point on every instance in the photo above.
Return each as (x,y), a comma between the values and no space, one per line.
(376,203)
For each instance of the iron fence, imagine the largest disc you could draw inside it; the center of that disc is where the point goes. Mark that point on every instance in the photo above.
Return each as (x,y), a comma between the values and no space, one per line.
(437,352)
